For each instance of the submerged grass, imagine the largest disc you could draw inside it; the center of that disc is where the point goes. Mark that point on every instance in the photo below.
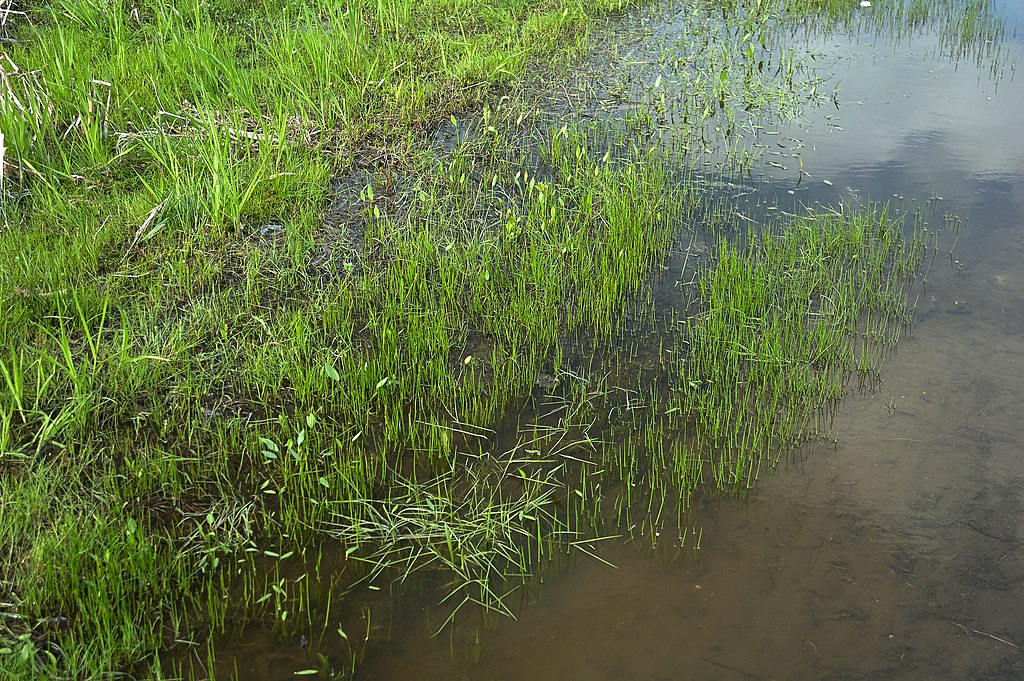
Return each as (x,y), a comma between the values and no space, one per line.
(785,322)
(273,301)
(969,31)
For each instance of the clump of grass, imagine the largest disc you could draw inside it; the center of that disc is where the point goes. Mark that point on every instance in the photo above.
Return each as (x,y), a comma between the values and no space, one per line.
(701,78)
(968,31)
(784,323)
(484,537)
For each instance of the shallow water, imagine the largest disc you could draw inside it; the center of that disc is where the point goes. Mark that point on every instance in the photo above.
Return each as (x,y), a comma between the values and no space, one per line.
(897,552)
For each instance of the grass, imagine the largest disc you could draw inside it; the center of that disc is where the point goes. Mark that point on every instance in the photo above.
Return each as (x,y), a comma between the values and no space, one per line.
(970,31)
(302,300)
(785,323)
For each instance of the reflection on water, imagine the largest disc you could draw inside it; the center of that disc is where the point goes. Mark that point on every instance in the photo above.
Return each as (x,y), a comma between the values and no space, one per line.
(899,553)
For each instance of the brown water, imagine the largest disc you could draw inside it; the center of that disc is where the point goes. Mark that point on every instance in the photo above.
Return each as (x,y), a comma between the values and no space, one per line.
(898,552)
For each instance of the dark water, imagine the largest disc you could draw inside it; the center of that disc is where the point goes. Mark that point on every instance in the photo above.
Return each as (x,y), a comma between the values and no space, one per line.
(899,551)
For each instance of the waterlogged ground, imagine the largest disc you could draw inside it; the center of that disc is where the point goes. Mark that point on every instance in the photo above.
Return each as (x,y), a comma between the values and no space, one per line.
(538,330)
(896,548)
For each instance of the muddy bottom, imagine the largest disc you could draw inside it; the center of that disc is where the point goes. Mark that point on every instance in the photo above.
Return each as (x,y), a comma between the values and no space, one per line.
(896,552)
(898,555)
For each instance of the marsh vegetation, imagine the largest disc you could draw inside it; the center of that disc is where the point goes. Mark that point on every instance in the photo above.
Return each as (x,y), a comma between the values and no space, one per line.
(307,301)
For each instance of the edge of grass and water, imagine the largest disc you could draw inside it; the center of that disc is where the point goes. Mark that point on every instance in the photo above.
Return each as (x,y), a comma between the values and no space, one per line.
(222,408)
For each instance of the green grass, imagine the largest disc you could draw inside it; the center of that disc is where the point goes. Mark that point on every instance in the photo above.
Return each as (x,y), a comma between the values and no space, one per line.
(968,31)
(785,323)
(302,297)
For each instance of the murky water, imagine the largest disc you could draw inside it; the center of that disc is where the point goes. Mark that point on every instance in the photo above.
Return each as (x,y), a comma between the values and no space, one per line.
(899,551)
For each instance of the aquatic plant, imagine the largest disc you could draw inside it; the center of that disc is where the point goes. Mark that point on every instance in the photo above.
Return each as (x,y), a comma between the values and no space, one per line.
(288,288)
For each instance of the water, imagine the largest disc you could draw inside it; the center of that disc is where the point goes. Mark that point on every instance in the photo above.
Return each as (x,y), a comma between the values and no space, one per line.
(896,552)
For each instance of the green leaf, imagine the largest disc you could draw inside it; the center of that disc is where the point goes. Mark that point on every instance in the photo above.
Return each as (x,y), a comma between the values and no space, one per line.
(331,372)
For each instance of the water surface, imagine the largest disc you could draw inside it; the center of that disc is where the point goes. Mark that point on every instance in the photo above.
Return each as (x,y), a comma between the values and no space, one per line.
(895,549)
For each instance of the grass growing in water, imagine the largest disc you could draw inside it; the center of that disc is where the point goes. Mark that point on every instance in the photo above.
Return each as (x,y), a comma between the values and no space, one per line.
(785,322)
(203,379)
